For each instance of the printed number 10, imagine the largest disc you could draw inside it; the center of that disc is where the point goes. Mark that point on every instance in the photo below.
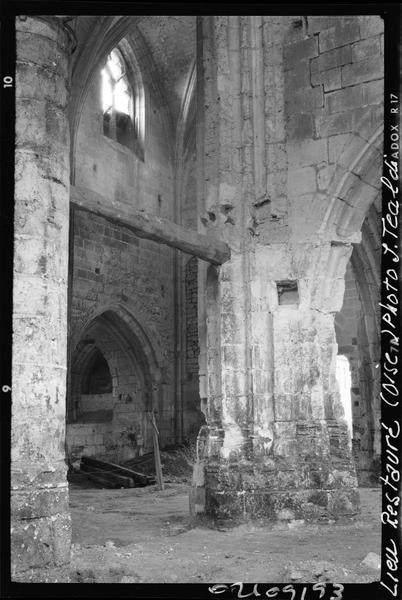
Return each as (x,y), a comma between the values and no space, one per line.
(7,81)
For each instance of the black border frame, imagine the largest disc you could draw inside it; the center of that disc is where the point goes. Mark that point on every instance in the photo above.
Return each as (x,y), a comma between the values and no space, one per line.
(391,408)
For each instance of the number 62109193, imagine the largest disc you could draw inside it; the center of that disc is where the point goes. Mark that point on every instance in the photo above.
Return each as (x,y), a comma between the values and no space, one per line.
(316,591)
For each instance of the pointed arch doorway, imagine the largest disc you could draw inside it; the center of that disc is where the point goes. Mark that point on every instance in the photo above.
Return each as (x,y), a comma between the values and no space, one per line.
(114,380)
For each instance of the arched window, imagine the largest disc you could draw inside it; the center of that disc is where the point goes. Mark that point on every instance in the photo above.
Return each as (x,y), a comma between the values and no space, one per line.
(98,379)
(119,120)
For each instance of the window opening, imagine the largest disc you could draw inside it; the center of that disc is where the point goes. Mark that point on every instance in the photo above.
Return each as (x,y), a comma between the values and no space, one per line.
(117,101)
(344,379)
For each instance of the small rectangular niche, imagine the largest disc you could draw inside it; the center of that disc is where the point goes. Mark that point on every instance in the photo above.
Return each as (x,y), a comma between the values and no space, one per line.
(288,292)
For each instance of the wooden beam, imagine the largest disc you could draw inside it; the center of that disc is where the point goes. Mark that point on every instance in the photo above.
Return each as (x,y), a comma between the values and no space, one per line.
(151,227)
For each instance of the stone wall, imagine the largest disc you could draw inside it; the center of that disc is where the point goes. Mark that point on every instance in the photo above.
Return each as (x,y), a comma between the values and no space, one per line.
(114,171)
(291,162)
(113,270)
(191,293)
(192,416)
(40,519)
(333,83)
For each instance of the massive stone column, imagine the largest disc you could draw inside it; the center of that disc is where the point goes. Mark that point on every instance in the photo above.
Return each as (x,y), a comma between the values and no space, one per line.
(275,445)
(40,534)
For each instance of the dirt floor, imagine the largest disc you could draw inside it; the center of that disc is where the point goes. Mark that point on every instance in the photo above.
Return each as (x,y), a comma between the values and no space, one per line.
(144,535)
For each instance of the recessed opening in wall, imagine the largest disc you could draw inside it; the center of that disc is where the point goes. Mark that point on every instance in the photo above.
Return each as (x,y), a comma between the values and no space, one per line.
(356,328)
(288,292)
(95,401)
(120,121)
(98,379)
(111,390)
(344,380)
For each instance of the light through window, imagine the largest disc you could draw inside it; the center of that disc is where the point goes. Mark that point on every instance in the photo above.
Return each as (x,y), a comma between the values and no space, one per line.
(117,100)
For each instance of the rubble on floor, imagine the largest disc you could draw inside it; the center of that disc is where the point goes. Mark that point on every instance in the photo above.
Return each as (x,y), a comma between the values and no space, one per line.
(124,535)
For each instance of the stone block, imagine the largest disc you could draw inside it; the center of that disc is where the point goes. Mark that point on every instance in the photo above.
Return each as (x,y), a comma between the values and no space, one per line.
(339,35)
(36,297)
(224,505)
(38,503)
(284,407)
(305,100)
(301,181)
(296,52)
(331,59)
(301,127)
(338,143)
(39,27)
(40,393)
(30,131)
(370,116)
(364,70)
(331,79)
(41,542)
(333,125)
(365,48)
(302,406)
(274,56)
(38,83)
(324,177)
(276,156)
(46,54)
(284,441)
(373,92)
(232,333)
(317,24)
(27,440)
(40,179)
(344,502)
(261,381)
(234,357)
(370,25)
(344,99)
(297,77)
(276,183)
(306,153)
(31,544)
(39,475)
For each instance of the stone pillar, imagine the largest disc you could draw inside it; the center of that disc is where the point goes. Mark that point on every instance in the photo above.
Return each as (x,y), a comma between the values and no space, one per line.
(40,519)
(274,444)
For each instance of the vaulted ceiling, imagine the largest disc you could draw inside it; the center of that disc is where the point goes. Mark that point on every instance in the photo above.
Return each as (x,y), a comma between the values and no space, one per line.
(166,45)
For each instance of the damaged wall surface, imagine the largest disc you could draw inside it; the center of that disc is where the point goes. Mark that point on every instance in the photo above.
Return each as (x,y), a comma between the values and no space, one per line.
(258,135)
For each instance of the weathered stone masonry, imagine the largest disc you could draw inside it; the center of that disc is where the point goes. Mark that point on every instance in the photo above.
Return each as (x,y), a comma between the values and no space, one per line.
(283,99)
(39,497)
(105,255)
(267,139)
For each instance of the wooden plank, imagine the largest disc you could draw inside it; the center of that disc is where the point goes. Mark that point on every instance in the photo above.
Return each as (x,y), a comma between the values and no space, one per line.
(140,461)
(103,481)
(108,466)
(152,227)
(158,465)
(113,478)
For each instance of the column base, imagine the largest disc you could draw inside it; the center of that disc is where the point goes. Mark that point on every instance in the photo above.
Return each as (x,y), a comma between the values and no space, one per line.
(40,532)
(44,575)
(308,505)
(245,492)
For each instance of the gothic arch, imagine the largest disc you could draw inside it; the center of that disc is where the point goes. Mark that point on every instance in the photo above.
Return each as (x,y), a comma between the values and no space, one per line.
(355,184)
(108,32)
(125,346)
